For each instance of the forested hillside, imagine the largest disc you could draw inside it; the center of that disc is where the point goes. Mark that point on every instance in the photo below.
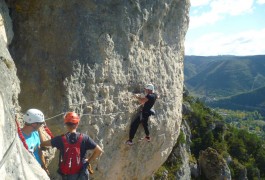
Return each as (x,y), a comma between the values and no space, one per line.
(216,77)
(243,151)
(251,101)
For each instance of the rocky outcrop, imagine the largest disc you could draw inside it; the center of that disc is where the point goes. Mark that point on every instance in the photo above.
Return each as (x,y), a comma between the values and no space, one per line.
(180,163)
(15,161)
(213,165)
(90,57)
(181,154)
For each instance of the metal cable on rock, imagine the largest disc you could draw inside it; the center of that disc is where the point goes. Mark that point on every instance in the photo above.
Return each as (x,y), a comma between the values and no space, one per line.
(54,116)
(90,114)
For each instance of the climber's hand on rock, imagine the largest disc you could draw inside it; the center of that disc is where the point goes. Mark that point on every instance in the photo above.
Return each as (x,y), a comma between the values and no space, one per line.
(136,95)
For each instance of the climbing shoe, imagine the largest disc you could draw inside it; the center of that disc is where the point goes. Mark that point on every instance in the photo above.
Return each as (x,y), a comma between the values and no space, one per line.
(147,138)
(129,142)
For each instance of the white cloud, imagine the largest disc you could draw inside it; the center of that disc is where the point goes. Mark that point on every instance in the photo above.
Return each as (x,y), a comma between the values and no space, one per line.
(218,10)
(204,19)
(199,2)
(261,1)
(243,43)
(235,7)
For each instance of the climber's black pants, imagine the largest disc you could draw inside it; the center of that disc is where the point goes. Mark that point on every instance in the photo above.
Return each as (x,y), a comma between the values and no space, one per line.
(141,118)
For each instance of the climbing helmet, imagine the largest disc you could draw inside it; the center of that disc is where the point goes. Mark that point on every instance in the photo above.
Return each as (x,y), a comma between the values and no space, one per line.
(150,87)
(33,116)
(71,117)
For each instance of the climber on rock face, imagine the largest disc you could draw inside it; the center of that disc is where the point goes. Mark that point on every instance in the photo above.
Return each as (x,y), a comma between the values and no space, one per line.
(30,136)
(73,165)
(147,101)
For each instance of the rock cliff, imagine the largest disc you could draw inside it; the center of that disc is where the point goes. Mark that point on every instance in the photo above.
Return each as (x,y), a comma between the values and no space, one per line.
(15,161)
(90,57)
(213,165)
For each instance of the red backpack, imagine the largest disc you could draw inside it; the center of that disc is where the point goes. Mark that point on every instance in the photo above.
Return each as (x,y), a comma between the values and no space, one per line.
(71,162)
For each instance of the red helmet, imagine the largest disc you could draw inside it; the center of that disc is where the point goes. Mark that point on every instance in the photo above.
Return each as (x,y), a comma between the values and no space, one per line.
(71,117)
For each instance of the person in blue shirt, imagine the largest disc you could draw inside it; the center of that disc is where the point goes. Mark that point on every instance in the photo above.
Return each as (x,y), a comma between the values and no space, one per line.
(33,119)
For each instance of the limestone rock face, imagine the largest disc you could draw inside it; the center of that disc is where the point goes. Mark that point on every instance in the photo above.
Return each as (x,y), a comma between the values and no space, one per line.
(15,161)
(213,165)
(90,57)
(181,154)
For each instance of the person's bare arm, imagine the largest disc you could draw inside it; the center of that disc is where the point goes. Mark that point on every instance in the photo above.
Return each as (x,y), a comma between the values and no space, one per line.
(140,98)
(40,131)
(96,153)
(46,143)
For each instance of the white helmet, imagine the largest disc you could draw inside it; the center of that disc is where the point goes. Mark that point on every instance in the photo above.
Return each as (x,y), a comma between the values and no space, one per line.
(150,87)
(33,116)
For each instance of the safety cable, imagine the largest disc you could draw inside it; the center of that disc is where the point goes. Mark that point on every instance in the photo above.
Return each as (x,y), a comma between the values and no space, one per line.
(76,104)
(89,114)
(55,116)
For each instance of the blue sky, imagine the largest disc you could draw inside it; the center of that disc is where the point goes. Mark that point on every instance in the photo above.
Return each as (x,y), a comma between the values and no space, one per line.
(226,27)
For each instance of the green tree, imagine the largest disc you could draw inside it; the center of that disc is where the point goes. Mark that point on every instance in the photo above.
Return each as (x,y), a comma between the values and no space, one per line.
(260,159)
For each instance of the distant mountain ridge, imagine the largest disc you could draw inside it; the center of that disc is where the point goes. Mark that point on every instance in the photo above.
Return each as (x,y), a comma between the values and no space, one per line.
(223,76)
(251,101)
